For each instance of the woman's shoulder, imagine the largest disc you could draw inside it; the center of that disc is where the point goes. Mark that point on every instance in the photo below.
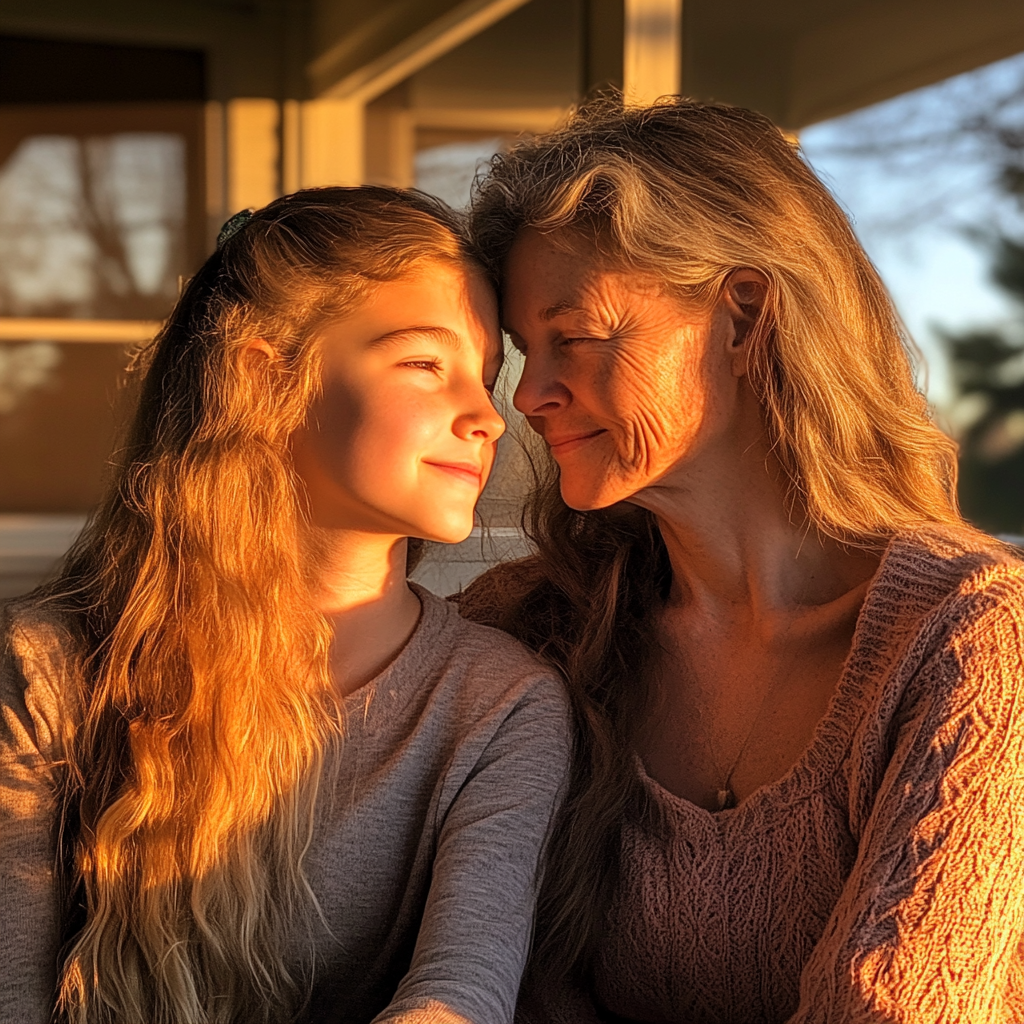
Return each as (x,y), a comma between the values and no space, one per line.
(940,571)
(951,553)
(949,598)
(944,640)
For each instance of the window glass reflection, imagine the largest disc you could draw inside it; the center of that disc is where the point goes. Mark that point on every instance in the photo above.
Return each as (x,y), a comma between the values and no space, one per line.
(92,226)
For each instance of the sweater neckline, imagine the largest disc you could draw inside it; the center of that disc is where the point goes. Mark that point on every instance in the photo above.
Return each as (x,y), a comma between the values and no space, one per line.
(414,663)
(912,578)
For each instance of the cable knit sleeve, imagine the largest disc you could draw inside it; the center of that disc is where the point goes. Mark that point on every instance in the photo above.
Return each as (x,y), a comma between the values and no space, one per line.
(929,925)
(29,731)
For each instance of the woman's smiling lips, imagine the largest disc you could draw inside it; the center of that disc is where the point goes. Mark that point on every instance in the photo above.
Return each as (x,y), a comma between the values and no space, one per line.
(568,444)
(467,471)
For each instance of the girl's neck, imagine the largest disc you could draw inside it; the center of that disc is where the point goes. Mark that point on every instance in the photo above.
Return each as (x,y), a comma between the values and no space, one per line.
(361,587)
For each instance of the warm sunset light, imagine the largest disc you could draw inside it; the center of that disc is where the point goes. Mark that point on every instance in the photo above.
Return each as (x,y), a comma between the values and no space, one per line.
(511,512)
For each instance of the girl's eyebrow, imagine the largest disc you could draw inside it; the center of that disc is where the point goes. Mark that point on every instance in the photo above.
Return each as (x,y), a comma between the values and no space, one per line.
(445,336)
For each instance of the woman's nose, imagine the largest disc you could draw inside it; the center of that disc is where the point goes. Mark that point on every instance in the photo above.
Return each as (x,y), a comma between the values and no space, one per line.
(539,391)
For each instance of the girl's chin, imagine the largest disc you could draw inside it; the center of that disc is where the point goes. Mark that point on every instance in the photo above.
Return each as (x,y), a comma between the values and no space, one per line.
(453,531)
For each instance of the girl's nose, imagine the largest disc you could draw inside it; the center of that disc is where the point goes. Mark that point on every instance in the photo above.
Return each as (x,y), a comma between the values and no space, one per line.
(482,421)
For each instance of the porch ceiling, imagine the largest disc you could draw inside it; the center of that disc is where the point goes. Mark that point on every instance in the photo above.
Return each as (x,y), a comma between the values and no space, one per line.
(802,61)
(799,61)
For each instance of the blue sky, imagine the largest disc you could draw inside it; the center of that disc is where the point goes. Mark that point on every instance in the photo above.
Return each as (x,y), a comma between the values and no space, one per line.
(915,203)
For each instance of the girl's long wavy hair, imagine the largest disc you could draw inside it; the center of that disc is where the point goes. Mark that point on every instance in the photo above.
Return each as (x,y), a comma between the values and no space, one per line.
(684,193)
(198,662)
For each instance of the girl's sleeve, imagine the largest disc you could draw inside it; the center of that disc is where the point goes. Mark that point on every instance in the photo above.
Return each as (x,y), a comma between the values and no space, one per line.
(28,902)
(928,928)
(477,925)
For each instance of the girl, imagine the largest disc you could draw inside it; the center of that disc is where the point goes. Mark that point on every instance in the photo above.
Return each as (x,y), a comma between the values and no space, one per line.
(249,771)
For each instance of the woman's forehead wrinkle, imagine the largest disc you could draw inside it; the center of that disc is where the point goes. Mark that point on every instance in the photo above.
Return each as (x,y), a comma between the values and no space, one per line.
(599,302)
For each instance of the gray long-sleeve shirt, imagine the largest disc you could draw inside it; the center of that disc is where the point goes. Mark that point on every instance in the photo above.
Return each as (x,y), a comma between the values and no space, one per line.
(426,845)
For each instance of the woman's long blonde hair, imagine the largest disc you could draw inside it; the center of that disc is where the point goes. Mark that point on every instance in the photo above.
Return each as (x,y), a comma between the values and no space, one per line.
(199,668)
(684,193)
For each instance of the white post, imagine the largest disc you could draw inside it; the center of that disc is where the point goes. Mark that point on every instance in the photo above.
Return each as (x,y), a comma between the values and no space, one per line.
(252,153)
(652,49)
(332,142)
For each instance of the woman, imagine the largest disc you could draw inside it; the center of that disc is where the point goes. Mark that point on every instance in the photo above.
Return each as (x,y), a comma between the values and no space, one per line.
(280,782)
(798,793)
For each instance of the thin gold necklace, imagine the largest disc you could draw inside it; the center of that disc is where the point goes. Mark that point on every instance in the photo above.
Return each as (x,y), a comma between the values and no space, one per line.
(725,797)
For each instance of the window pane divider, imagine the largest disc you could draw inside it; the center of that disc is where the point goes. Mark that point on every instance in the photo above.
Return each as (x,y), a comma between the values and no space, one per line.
(66,329)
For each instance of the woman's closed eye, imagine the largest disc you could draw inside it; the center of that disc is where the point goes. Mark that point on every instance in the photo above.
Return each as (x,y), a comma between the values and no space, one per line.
(580,339)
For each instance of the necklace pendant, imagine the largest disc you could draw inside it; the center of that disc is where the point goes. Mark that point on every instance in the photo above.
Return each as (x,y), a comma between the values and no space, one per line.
(726,799)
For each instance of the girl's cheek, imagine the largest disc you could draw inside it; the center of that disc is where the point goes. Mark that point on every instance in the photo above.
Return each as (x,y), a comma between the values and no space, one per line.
(401,427)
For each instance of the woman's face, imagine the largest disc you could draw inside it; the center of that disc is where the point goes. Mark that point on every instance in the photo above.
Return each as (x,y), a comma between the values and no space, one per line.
(402,439)
(624,384)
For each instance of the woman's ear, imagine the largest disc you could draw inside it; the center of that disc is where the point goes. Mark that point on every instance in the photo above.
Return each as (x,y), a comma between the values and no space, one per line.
(744,295)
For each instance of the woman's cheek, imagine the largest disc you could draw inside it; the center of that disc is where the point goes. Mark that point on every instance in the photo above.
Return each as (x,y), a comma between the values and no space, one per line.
(643,406)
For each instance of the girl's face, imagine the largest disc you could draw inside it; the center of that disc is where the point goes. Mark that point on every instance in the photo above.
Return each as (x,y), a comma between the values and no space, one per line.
(402,439)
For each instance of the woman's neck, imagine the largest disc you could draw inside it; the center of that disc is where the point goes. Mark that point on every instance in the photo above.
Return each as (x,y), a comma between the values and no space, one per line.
(361,587)
(733,544)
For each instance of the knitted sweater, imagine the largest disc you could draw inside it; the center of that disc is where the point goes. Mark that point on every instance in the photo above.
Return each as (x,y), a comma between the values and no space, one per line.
(882,878)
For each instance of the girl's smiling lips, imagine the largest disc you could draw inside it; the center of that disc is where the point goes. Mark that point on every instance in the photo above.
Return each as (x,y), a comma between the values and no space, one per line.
(574,441)
(467,471)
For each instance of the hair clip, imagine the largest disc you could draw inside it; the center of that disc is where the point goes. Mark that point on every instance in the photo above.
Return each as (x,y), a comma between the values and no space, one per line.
(233,225)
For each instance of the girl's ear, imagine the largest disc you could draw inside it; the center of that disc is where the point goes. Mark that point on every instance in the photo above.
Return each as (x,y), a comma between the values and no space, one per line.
(260,345)
(256,357)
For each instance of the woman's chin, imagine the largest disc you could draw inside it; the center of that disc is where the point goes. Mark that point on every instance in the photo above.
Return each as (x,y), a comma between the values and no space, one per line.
(583,496)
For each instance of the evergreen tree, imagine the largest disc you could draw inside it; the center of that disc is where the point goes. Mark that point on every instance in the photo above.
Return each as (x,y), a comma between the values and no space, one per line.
(988,365)
(988,372)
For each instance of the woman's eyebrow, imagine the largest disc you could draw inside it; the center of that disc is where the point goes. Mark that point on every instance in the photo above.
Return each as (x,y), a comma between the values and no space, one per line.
(560,308)
(445,336)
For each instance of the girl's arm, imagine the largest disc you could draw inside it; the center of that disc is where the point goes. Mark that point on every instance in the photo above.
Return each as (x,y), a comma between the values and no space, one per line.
(476,928)
(929,924)
(433,1013)
(28,902)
